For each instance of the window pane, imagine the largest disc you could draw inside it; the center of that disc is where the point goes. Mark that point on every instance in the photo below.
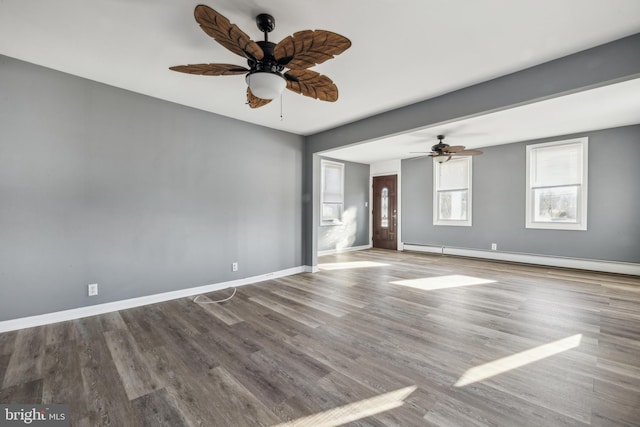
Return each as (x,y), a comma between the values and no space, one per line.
(559,165)
(384,207)
(332,183)
(331,212)
(452,205)
(453,174)
(556,204)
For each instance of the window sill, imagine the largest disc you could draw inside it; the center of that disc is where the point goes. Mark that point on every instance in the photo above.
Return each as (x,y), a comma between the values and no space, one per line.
(454,224)
(555,226)
(330,223)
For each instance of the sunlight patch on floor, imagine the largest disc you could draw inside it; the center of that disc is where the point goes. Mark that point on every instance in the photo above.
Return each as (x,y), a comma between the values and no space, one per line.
(348,265)
(442,282)
(353,411)
(505,364)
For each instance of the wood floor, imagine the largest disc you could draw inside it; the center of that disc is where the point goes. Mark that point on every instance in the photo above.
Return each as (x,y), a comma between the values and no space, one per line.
(377,338)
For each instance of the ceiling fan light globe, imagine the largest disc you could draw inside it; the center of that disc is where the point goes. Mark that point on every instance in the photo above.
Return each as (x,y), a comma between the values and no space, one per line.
(266,85)
(441,158)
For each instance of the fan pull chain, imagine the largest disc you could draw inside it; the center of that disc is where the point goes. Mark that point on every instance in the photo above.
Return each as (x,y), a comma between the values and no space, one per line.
(281,117)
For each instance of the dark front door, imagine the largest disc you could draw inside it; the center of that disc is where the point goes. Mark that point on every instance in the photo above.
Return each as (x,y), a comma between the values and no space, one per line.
(385,211)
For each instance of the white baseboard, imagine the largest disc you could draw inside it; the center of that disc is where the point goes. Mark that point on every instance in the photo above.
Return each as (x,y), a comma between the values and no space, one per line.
(341,250)
(77,313)
(423,248)
(311,269)
(582,264)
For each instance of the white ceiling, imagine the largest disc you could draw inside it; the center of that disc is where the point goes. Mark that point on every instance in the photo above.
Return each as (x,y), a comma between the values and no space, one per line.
(403,51)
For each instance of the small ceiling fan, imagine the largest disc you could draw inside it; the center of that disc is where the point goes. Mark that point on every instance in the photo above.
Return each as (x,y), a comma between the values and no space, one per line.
(442,152)
(267,61)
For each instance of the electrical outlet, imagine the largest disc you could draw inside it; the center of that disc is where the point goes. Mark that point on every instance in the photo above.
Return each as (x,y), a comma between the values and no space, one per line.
(92,289)
(234,266)
(494,246)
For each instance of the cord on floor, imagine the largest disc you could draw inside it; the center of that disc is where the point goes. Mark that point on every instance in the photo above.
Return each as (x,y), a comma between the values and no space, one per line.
(214,302)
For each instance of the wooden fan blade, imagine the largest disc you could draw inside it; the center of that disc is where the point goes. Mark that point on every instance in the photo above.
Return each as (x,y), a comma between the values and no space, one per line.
(226,33)
(311,84)
(468,153)
(254,101)
(307,48)
(453,148)
(211,69)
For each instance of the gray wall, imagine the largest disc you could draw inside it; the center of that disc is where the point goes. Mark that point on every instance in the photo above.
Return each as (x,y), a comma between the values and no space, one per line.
(615,61)
(354,231)
(499,202)
(100,185)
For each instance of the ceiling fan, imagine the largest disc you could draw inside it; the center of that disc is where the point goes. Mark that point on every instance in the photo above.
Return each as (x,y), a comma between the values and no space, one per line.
(267,61)
(442,152)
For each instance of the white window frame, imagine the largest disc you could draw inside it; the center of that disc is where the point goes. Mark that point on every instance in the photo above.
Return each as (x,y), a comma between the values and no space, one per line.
(436,190)
(340,205)
(581,223)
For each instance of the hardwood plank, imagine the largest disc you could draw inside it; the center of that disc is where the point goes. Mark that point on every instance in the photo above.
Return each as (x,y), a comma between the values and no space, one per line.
(607,412)
(186,346)
(89,329)
(233,352)
(620,374)
(617,349)
(26,392)
(565,398)
(310,302)
(444,416)
(158,409)
(627,402)
(107,402)
(186,389)
(25,364)
(4,362)
(218,310)
(143,329)
(292,314)
(60,332)
(290,380)
(303,284)
(111,321)
(207,398)
(7,342)
(63,377)
(235,402)
(328,352)
(137,378)
(185,316)
(273,323)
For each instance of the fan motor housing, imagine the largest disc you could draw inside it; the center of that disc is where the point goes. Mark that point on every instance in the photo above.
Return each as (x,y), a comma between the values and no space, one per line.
(268,63)
(439,147)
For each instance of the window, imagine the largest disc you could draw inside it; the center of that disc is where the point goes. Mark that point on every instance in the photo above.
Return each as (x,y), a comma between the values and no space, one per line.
(452,192)
(557,185)
(384,208)
(332,192)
